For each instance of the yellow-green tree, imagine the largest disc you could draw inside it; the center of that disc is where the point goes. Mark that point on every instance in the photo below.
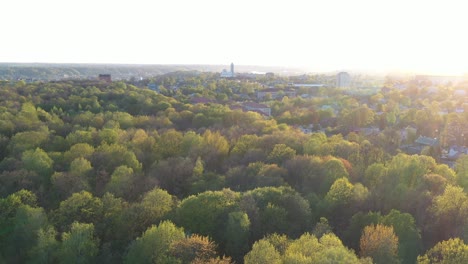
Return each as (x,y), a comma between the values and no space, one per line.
(327,249)
(154,245)
(452,251)
(451,212)
(462,171)
(263,252)
(380,243)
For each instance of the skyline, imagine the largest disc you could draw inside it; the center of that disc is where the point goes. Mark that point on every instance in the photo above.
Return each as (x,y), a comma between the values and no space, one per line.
(362,35)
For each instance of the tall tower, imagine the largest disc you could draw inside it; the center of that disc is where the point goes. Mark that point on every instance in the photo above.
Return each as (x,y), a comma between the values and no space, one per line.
(232,69)
(343,79)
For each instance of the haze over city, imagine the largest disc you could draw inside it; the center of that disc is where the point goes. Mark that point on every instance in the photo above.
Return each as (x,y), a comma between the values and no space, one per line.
(418,36)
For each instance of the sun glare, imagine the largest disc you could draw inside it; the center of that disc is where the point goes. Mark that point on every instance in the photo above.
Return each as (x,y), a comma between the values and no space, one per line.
(418,36)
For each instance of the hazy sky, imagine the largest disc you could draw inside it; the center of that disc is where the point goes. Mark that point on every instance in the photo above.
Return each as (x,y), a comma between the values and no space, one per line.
(424,36)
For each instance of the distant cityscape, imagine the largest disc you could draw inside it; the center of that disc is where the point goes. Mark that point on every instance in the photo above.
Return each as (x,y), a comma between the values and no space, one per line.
(273,84)
(55,72)
(228,146)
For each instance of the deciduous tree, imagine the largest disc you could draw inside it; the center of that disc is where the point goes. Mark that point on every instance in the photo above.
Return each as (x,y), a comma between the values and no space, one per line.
(154,244)
(263,252)
(449,251)
(79,245)
(380,243)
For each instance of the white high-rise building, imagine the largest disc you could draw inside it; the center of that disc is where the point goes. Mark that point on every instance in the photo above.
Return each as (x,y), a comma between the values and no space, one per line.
(343,79)
(228,74)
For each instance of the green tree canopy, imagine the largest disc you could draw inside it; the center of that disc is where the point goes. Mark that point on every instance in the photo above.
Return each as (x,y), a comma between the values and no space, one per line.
(405,228)
(81,207)
(206,212)
(263,252)
(154,244)
(79,245)
(38,161)
(449,251)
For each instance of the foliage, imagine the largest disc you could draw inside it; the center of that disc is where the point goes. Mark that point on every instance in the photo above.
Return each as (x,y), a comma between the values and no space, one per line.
(154,206)
(206,213)
(305,249)
(193,248)
(450,251)
(462,171)
(451,212)
(380,243)
(45,250)
(263,252)
(103,162)
(237,235)
(154,244)
(407,232)
(82,207)
(78,245)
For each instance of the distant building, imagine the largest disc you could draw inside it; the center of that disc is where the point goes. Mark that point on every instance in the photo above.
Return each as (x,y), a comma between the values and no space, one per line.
(459,110)
(228,74)
(251,75)
(419,144)
(255,107)
(455,152)
(308,85)
(153,86)
(306,129)
(105,78)
(275,93)
(438,79)
(459,93)
(343,79)
(427,141)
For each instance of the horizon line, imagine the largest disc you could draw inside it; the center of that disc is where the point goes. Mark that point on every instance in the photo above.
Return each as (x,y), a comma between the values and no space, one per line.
(295,67)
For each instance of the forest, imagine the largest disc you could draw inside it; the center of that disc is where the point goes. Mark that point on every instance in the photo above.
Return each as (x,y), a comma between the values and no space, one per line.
(95,172)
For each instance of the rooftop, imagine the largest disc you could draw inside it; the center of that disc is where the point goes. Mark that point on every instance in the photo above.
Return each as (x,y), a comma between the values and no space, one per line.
(427,141)
(254,105)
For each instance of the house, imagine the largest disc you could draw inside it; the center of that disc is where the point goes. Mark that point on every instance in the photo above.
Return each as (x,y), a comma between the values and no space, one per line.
(459,93)
(459,110)
(455,152)
(275,93)
(427,141)
(105,78)
(419,144)
(307,85)
(153,87)
(244,96)
(256,107)
(306,129)
(438,80)
(369,131)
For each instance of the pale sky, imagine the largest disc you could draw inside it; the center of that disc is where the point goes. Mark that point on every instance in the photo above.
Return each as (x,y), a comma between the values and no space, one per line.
(421,36)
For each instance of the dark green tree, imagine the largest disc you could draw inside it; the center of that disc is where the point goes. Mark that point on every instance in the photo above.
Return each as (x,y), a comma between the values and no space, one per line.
(79,245)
